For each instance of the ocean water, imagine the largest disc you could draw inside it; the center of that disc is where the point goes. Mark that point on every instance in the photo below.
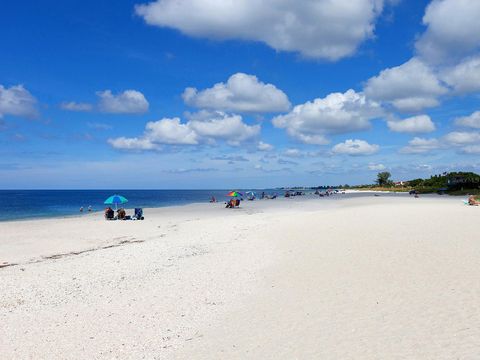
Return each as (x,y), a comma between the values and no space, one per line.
(28,204)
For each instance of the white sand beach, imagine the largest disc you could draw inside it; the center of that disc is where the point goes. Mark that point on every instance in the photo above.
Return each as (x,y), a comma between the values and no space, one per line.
(388,277)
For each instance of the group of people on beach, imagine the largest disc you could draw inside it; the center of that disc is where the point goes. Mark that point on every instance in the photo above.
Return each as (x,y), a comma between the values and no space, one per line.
(269,196)
(472,200)
(110,213)
(235,202)
(89,209)
(122,214)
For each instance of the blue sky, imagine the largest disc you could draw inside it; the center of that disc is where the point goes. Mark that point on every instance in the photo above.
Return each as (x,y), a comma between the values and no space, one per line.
(197,94)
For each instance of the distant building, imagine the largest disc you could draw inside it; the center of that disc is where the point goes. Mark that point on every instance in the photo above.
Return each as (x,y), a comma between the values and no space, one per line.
(401,183)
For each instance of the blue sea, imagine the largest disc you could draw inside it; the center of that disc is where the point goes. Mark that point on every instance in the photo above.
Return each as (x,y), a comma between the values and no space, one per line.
(28,204)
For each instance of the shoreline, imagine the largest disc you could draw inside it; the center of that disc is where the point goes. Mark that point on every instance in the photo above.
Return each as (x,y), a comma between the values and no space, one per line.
(309,195)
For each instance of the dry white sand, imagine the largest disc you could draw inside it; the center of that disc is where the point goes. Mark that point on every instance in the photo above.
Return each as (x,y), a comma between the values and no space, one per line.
(367,278)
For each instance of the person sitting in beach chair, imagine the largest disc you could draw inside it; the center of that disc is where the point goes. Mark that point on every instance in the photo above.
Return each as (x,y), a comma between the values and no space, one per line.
(473,201)
(121,214)
(230,204)
(237,202)
(138,214)
(109,213)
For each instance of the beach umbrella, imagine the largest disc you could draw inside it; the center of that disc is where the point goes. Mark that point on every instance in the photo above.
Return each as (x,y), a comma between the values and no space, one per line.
(115,199)
(251,195)
(234,194)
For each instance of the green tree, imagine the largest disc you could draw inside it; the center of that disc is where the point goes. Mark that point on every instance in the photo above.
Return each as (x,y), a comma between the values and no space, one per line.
(416,182)
(383,178)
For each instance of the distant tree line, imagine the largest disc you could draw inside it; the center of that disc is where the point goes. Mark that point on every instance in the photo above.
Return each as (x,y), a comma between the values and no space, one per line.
(448,182)
(453,182)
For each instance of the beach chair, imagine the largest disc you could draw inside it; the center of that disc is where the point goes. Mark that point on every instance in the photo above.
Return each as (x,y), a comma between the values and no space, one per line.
(109,214)
(138,214)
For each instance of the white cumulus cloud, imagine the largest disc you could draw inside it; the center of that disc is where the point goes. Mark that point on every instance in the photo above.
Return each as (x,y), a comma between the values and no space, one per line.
(127,102)
(457,138)
(335,114)
(453,30)
(410,87)
(221,126)
(162,132)
(17,101)
(171,132)
(295,153)
(204,128)
(471,121)
(241,93)
(319,29)
(463,77)
(262,146)
(421,145)
(124,143)
(414,124)
(355,147)
(466,141)
(447,60)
